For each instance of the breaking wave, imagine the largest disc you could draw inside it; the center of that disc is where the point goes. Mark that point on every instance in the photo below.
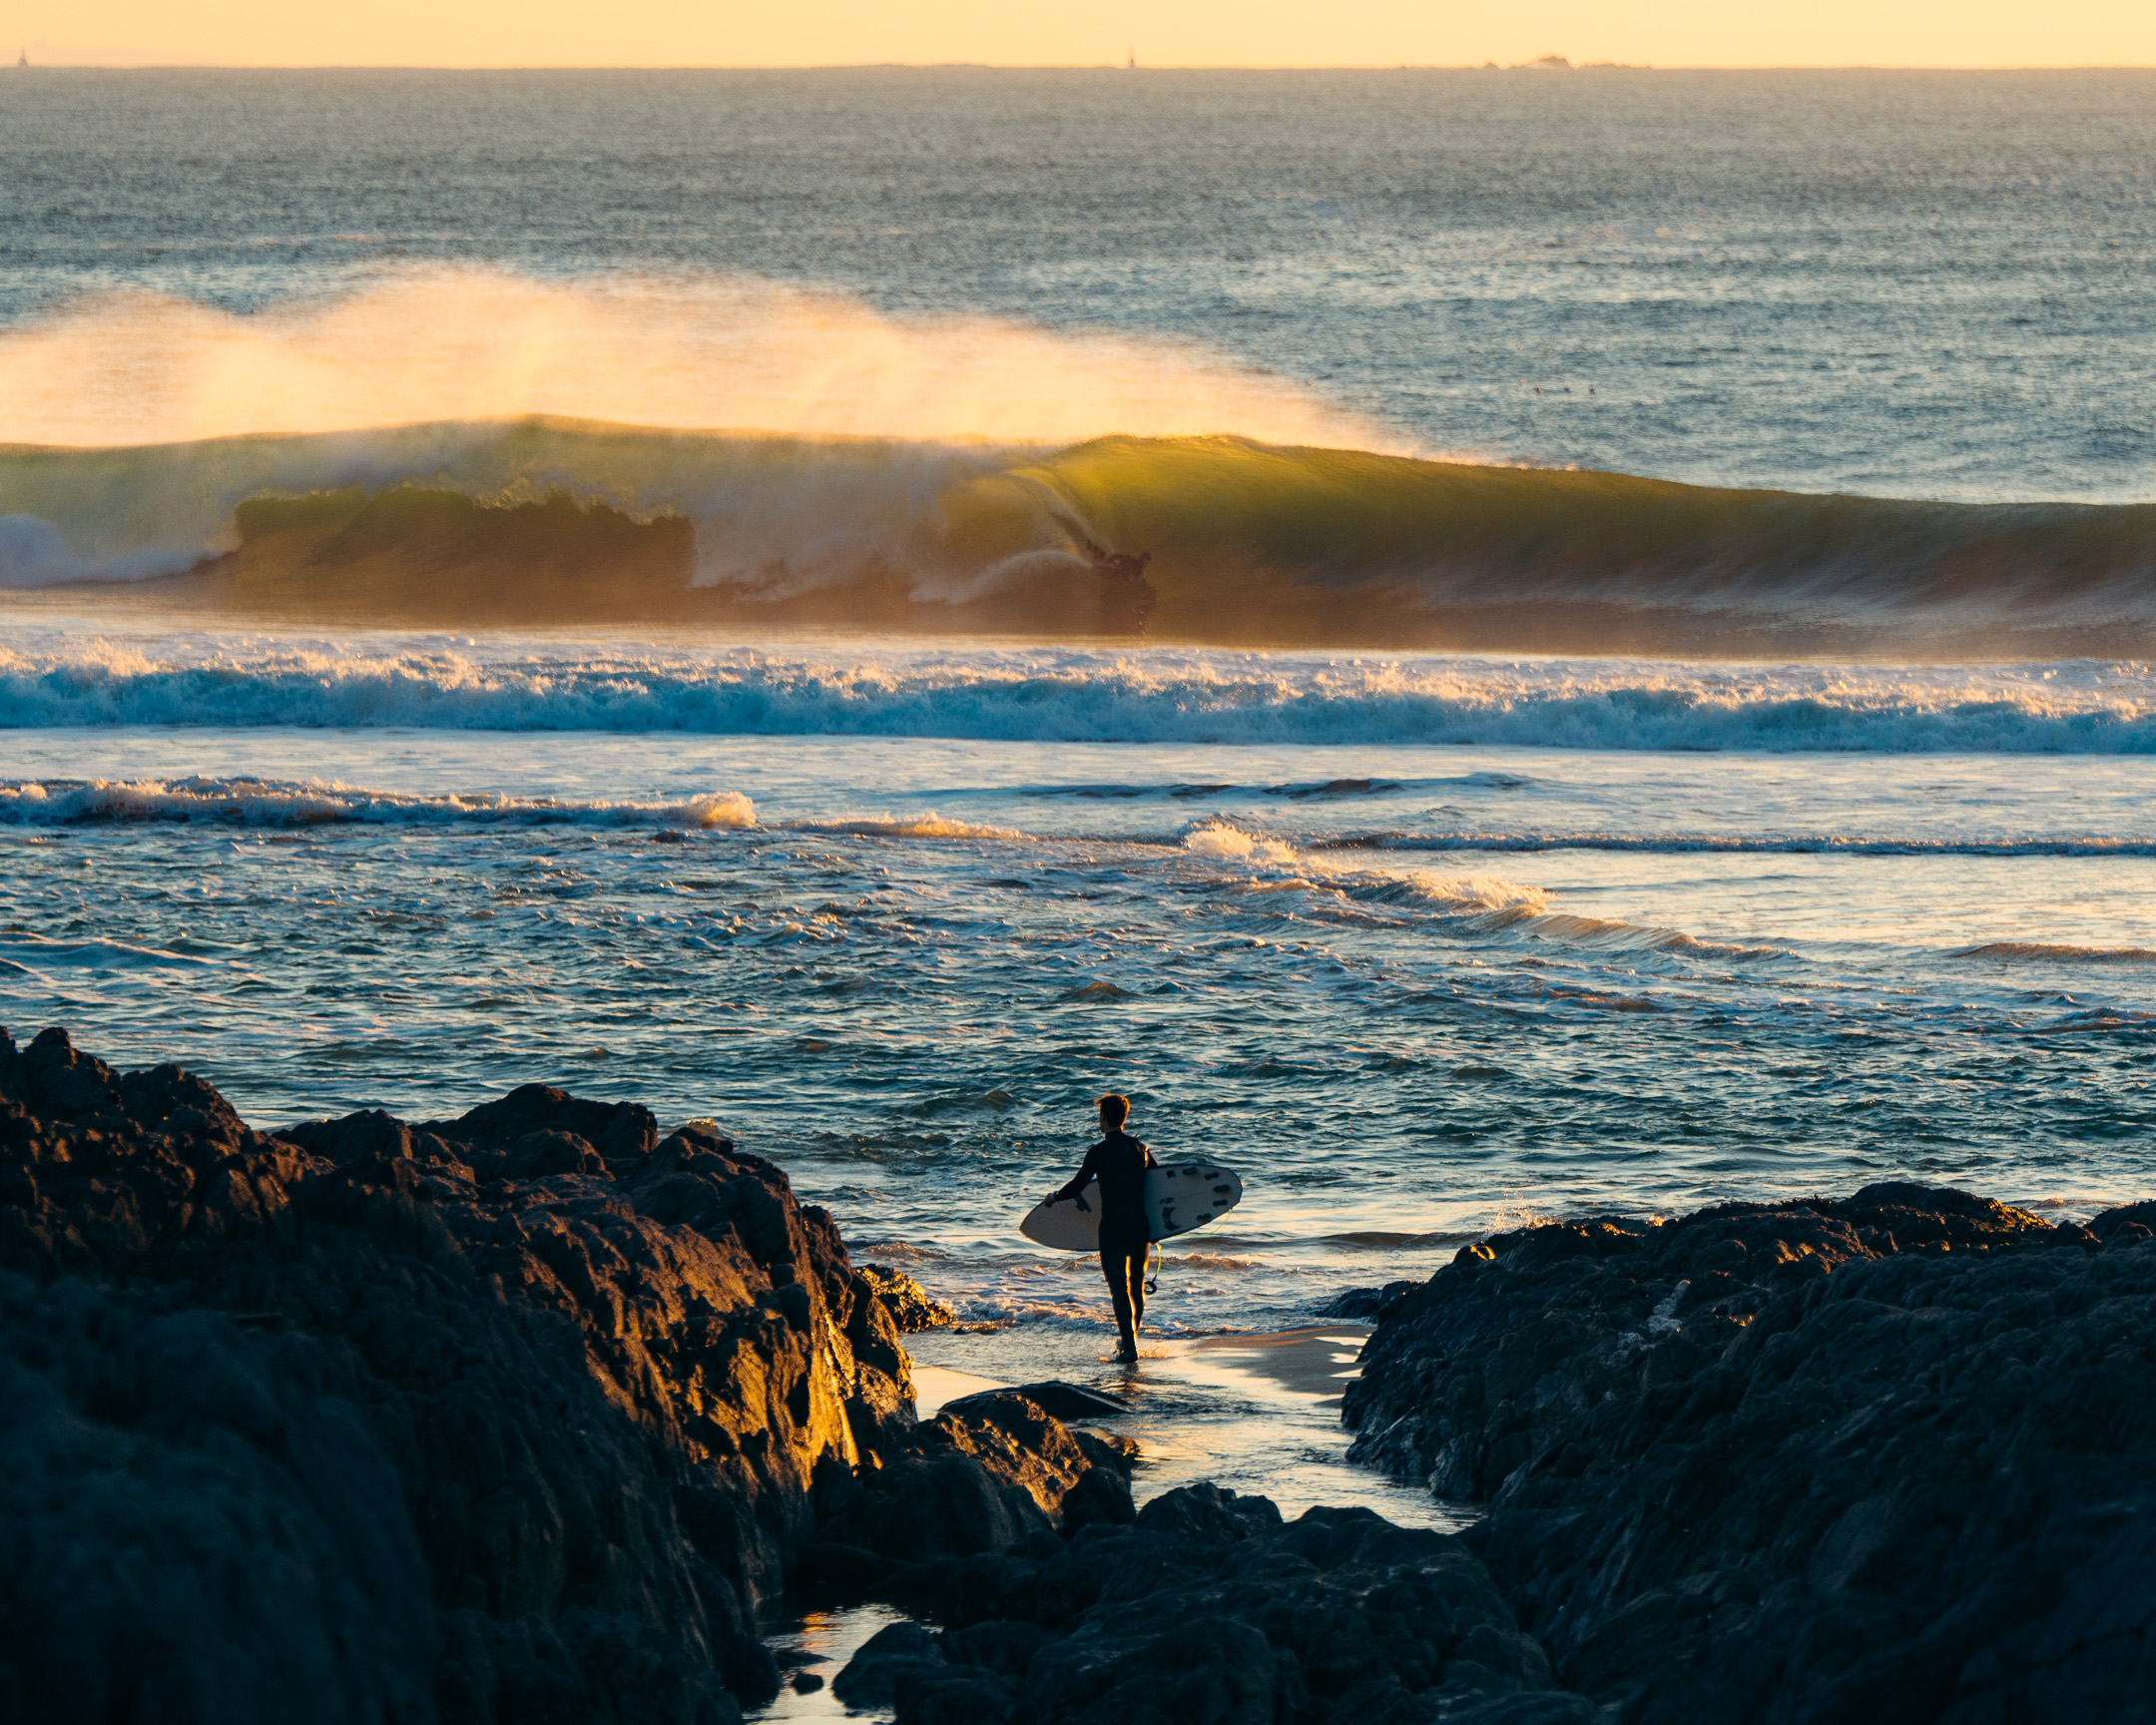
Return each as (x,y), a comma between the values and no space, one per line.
(1215,539)
(472,448)
(247,802)
(58,677)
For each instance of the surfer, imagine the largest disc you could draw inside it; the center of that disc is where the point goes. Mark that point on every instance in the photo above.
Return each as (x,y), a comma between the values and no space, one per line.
(1128,602)
(1118,565)
(1119,1162)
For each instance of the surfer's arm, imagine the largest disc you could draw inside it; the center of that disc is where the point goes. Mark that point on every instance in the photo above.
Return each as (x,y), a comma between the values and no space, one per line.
(1079,1181)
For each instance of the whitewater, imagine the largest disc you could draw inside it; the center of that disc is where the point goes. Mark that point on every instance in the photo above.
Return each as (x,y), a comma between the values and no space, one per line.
(1485,647)
(82,671)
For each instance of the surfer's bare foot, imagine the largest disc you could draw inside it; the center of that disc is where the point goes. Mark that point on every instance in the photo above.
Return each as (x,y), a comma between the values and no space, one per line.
(1127,1354)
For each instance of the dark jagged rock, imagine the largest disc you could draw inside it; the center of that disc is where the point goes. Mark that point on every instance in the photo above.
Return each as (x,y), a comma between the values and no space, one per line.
(2132,1222)
(993,1477)
(1885,1458)
(1051,1396)
(1363,1303)
(1211,1612)
(1208,1514)
(515,1417)
(908,1304)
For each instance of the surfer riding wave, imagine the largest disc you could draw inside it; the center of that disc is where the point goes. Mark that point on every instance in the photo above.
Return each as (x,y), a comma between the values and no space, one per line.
(1135,604)
(1119,1163)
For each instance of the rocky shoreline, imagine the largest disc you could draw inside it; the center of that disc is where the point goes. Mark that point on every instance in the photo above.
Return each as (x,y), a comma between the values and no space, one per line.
(1885,1457)
(539,1414)
(520,1417)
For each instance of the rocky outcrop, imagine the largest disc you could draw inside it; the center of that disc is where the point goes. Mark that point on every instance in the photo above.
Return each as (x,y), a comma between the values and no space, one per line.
(990,1474)
(1050,1396)
(1885,1458)
(1210,1611)
(513,1417)
(907,1301)
(1363,1303)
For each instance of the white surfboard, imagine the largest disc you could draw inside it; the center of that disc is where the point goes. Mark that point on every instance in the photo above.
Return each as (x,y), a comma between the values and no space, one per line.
(1179,1196)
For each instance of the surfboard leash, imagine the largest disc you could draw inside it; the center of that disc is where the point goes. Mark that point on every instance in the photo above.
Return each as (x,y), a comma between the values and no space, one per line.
(1152,1276)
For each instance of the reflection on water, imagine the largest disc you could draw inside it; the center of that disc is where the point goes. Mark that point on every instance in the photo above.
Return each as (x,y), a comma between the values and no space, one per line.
(1249,1413)
(819,1644)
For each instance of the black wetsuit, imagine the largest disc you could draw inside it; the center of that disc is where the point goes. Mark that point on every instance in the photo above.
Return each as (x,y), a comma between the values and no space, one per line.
(1119,1163)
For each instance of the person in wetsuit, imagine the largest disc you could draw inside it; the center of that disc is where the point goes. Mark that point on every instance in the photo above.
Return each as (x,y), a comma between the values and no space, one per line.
(1119,1162)
(1127,604)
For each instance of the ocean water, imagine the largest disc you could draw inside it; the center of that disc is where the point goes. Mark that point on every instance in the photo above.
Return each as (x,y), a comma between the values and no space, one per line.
(862,334)
(1640,695)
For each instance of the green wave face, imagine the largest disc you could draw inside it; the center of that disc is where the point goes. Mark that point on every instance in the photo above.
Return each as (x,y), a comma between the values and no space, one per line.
(540,521)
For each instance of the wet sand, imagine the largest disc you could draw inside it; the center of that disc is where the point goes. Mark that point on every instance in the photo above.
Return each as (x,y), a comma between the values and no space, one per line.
(1255,1412)
(1318,1362)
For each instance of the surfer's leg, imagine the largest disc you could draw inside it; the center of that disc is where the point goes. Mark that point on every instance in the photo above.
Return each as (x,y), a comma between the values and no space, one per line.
(1137,1288)
(1116,1266)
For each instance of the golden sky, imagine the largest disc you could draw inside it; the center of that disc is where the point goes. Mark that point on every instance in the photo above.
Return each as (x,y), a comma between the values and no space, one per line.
(1968,32)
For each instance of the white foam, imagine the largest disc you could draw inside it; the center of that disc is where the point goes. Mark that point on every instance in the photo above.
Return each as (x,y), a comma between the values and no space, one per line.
(267,802)
(107,676)
(1233,844)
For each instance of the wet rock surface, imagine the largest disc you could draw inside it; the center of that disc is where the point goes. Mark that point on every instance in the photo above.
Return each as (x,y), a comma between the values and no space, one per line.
(1050,1396)
(997,1473)
(1885,1458)
(1363,1303)
(910,1308)
(1209,1610)
(515,1417)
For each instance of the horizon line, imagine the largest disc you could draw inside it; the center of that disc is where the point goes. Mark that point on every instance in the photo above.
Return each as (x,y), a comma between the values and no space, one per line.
(1541,69)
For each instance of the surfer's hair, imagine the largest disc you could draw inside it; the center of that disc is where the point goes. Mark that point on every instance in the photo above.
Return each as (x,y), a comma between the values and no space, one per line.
(1114,1110)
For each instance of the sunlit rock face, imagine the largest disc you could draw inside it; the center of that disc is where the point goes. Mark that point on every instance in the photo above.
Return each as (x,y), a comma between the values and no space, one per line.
(515,1416)
(1888,1457)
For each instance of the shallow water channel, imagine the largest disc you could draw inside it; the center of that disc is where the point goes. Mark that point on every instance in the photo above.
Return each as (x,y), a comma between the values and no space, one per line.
(1251,1412)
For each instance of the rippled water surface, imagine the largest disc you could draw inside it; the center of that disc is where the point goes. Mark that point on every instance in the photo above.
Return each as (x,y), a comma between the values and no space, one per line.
(1420,945)
(1926,283)
(902,966)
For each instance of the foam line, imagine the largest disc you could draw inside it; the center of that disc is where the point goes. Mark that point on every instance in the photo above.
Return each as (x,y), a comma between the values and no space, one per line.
(52,678)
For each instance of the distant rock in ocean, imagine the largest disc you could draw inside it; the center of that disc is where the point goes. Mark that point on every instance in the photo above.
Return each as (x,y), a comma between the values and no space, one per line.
(1890,1457)
(517,1417)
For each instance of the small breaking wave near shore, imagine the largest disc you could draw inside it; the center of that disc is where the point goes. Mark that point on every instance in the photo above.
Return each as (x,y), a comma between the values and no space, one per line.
(251,802)
(62,677)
